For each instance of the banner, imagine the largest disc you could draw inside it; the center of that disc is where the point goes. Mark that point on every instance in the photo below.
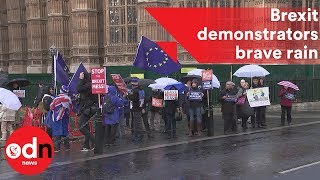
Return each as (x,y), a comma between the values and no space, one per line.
(258,97)
(20,93)
(98,80)
(170,95)
(207,79)
(140,76)
(157,102)
(117,79)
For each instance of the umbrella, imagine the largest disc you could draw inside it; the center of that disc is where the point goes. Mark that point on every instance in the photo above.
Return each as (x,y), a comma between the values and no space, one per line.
(187,78)
(9,99)
(289,84)
(142,82)
(198,72)
(166,81)
(157,86)
(20,81)
(179,86)
(250,71)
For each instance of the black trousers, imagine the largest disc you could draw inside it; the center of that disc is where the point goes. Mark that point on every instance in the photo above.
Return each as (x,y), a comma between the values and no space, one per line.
(127,117)
(244,122)
(285,110)
(111,130)
(145,120)
(57,142)
(85,130)
(229,122)
(259,116)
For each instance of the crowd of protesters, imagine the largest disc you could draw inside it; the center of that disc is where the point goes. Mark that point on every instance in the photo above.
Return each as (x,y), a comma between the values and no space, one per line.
(132,114)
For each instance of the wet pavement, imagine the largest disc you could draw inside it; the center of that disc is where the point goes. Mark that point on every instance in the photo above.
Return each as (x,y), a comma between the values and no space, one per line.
(253,156)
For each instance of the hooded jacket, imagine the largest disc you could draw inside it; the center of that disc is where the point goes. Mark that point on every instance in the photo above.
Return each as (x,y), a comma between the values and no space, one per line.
(116,101)
(87,99)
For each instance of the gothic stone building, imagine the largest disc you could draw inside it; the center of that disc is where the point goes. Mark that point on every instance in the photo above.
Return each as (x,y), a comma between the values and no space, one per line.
(96,32)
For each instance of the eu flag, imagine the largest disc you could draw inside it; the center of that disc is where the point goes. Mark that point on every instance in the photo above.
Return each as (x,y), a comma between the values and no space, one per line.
(62,70)
(73,93)
(151,57)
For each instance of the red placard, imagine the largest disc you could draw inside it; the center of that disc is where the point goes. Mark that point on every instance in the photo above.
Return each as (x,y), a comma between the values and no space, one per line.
(207,75)
(117,79)
(98,80)
(157,102)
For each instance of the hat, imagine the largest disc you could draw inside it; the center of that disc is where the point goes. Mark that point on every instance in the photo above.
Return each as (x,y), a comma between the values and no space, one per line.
(64,89)
(134,81)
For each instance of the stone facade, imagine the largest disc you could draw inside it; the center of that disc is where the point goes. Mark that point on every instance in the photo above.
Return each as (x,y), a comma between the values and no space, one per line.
(95,32)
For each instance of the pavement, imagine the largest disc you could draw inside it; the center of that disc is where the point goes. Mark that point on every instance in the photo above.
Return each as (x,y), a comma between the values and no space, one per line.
(269,153)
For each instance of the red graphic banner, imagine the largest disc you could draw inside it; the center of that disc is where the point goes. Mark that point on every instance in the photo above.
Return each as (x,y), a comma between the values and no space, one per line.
(244,35)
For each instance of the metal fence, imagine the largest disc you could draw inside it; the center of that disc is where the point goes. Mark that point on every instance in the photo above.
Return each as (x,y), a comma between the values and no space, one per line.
(306,77)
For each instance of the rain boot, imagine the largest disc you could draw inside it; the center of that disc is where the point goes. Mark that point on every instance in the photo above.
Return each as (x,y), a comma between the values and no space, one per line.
(4,136)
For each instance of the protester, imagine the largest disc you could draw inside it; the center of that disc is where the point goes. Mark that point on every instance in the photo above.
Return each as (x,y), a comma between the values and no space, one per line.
(121,130)
(195,96)
(127,113)
(186,105)
(244,110)
(46,102)
(145,117)
(155,116)
(287,97)
(228,99)
(88,105)
(136,109)
(242,85)
(170,109)
(40,94)
(112,105)
(258,111)
(61,107)
(7,118)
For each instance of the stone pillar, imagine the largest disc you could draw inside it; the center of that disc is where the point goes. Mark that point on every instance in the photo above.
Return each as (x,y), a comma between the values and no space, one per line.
(85,33)
(59,28)
(36,16)
(17,33)
(4,41)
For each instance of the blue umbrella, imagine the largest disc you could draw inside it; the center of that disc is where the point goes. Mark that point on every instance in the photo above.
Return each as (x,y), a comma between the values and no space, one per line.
(178,86)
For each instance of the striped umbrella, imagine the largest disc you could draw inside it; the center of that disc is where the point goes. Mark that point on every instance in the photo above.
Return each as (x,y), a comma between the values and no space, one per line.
(289,84)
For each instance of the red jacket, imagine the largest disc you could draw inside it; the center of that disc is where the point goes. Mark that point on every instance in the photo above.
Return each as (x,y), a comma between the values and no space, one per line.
(284,101)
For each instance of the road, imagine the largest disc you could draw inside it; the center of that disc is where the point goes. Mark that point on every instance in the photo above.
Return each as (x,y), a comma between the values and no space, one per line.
(282,154)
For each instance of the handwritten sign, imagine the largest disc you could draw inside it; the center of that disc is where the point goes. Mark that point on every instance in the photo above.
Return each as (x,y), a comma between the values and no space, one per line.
(117,79)
(98,80)
(258,97)
(170,95)
(157,102)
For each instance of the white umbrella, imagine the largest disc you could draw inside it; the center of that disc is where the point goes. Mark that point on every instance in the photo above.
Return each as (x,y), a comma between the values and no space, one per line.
(250,71)
(9,99)
(165,81)
(157,86)
(198,72)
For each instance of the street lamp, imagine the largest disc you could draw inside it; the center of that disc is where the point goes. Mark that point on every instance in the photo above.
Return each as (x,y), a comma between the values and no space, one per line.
(53,51)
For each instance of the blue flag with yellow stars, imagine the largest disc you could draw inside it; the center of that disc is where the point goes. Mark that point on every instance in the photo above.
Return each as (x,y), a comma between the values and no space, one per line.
(151,57)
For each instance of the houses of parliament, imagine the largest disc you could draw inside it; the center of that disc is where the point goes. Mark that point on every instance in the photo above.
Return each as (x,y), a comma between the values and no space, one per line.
(95,32)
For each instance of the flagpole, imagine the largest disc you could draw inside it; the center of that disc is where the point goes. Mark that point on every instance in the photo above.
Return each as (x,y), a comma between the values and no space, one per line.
(55,73)
(54,53)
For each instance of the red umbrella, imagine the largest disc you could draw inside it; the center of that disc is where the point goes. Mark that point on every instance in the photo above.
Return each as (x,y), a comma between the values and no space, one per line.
(289,84)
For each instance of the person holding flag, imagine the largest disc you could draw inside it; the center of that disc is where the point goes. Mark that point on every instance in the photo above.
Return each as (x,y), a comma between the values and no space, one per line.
(61,108)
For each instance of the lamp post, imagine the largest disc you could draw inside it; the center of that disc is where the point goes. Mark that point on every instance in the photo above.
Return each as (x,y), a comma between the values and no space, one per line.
(53,51)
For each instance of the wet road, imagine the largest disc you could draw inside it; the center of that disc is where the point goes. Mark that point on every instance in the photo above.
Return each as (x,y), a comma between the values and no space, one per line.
(254,156)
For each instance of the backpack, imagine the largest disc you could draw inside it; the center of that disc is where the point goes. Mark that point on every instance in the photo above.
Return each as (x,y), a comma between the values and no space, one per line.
(107,106)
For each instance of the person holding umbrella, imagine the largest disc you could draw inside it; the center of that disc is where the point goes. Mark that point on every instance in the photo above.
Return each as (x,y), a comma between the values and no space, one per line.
(287,97)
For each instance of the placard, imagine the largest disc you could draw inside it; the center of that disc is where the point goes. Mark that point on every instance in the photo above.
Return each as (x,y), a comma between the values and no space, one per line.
(207,79)
(195,96)
(20,93)
(117,79)
(157,102)
(258,97)
(170,95)
(98,80)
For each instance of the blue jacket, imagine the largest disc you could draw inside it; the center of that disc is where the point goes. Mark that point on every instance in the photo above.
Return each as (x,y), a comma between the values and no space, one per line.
(118,102)
(61,108)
